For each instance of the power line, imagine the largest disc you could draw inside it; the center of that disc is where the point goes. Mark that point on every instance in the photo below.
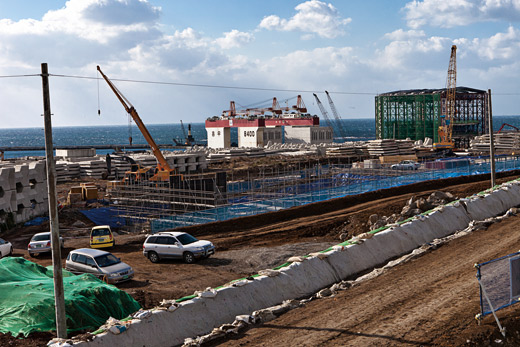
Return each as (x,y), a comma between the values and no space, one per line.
(15,76)
(213,85)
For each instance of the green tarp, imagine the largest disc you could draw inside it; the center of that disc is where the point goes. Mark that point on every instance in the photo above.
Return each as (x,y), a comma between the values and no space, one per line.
(27,299)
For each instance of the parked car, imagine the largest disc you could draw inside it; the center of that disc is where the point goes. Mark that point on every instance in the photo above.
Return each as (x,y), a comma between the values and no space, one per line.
(6,248)
(101,264)
(406,165)
(177,245)
(41,243)
(101,236)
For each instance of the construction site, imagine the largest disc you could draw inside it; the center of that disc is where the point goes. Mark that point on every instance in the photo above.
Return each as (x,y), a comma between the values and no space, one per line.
(415,114)
(303,226)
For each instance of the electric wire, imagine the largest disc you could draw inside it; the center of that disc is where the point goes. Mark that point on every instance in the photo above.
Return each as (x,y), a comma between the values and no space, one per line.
(16,76)
(214,85)
(211,85)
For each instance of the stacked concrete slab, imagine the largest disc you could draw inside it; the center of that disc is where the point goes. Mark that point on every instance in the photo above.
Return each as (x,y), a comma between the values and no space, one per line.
(66,171)
(505,143)
(23,191)
(383,147)
(92,168)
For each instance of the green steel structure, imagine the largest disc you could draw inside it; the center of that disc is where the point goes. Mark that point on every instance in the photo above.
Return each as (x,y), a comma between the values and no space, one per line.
(415,114)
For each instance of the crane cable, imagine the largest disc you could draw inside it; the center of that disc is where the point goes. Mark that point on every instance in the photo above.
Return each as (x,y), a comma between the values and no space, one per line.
(98,103)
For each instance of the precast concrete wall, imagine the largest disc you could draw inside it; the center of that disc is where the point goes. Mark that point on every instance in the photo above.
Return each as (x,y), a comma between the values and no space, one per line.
(23,191)
(200,315)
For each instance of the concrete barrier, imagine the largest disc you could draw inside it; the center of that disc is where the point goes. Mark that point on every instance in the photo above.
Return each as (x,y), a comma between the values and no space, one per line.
(23,191)
(300,279)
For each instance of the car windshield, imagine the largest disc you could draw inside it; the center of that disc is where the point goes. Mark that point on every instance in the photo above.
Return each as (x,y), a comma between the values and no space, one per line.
(107,260)
(186,239)
(44,237)
(100,232)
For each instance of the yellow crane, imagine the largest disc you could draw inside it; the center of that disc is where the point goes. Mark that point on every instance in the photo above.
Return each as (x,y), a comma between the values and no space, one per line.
(445,130)
(163,170)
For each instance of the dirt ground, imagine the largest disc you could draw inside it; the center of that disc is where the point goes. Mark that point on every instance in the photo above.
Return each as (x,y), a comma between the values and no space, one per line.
(429,301)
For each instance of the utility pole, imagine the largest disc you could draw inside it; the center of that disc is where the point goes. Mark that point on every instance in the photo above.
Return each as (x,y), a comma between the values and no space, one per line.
(491,140)
(59,295)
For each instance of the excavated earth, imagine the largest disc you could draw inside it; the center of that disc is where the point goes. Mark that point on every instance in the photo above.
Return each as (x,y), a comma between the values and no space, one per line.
(430,301)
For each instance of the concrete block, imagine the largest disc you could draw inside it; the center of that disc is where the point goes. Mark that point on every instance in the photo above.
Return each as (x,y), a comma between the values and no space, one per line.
(37,171)
(21,177)
(75,153)
(7,200)
(7,178)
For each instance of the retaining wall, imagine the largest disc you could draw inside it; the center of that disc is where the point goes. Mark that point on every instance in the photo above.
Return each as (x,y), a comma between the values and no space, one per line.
(200,315)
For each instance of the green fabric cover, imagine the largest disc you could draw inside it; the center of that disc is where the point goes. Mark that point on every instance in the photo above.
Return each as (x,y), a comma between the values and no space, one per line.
(27,299)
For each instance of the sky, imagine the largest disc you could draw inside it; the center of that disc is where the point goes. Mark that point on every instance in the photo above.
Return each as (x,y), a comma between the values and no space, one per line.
(186,60)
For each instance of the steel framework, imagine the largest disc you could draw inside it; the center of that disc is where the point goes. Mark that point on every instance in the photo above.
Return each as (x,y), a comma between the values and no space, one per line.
(415,114)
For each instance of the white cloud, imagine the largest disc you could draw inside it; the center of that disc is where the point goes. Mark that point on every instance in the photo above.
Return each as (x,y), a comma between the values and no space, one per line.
(501,46)
(313,16)
(449,14)
(410,50)
(400,35)
(234,39)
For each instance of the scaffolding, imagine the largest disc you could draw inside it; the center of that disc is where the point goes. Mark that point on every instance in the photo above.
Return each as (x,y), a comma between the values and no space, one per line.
(273,192)
(415,114)
(142,200)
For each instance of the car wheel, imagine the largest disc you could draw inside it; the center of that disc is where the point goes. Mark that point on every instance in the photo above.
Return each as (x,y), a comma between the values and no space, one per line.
(10,251)
(32,254)
(188,257)
(154,257)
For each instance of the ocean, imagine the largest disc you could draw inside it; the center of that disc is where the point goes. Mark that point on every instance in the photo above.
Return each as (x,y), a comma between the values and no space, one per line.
(356,129)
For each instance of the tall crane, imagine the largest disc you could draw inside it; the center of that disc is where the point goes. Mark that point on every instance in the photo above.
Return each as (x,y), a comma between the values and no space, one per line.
(164,171)
(323,111)
(445,130)
(342,132)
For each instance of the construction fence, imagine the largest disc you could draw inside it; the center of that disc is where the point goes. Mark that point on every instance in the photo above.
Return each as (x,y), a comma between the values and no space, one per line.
(277,190)
(499,283)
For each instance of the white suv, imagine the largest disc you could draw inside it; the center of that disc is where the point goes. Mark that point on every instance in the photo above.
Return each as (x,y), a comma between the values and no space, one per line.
(176,245)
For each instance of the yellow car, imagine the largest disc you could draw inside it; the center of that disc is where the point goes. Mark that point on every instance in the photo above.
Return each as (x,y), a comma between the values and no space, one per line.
(101,237)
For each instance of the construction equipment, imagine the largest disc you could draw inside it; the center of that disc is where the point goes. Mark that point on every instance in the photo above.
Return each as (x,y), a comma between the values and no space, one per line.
(188,139)
(323,111)
(275,109)
(509,125)
(445,131)
(339,126)
(163,170)
(136,173)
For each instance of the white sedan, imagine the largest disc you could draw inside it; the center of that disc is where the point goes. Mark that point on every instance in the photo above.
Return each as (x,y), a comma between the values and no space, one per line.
(5,248)
(406,165)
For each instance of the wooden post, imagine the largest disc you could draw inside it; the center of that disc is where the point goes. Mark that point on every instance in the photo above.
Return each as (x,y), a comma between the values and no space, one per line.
(491,140)
(59,296)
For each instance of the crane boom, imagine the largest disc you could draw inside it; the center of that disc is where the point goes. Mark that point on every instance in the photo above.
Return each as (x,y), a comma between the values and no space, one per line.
(323,111)
(342,132)
(162,164)
(183,131)
(446,128)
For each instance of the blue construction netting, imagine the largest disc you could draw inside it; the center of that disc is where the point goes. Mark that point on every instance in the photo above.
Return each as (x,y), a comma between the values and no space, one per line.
(340,185)
(500,279)
(105,216)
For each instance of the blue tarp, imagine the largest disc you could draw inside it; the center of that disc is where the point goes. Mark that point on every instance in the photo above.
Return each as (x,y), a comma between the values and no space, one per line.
(105,216)
(36,221)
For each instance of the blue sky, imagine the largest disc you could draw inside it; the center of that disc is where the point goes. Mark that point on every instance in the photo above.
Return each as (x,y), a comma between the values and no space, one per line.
(354,49)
